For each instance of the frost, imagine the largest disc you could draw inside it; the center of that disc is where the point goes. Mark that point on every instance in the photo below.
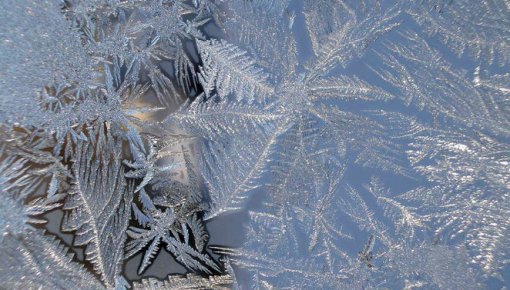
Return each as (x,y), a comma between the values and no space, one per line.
(39,47)
(38,261)
(190,281)
(98,201)
(486,39)
(174,226)
(246,80)
(362,144)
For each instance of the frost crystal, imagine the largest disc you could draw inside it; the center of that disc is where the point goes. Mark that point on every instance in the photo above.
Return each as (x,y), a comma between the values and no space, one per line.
(361,144)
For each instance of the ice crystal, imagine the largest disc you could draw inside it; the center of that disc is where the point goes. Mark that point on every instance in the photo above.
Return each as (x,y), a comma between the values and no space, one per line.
(361,144)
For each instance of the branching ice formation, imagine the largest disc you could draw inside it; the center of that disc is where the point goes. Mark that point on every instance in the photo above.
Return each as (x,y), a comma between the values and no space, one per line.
(366,143)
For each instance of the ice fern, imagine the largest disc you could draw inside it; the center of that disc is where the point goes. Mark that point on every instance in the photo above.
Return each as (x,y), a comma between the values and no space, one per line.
(91,145)
(450,21)
(97,206)
(246,80)
(174,225)
(41,262)
(361,144)
(326,122)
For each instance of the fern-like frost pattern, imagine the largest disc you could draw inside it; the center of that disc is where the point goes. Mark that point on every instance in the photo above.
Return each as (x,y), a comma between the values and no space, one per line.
(359,144)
